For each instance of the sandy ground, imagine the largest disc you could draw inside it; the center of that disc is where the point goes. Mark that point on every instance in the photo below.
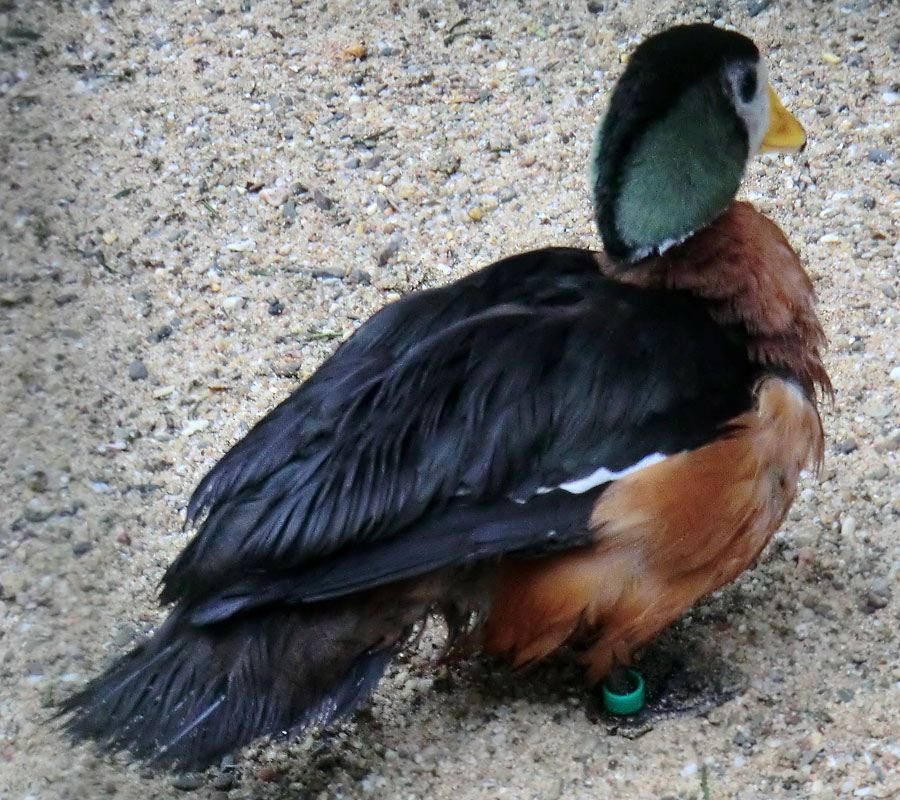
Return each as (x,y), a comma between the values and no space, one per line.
(200,199)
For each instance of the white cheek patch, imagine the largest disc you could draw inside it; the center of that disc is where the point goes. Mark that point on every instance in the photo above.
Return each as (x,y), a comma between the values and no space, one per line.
(602,475)
(754,113)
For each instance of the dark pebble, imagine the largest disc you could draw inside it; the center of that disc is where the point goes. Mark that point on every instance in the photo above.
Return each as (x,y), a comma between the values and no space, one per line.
(878,595)
(81,548)
(390,250)
(38,514)
(141,296)
(289,210)
(223,781)
(352,162)
(594,7)
(126,635)
(34,668)
(845,695)
(879,155)
(187,783)
(373,162)
(742,739)
(161,333)
(276,307)
(137,371)
(65,299)
(845,446)
(322,200)
(38,481)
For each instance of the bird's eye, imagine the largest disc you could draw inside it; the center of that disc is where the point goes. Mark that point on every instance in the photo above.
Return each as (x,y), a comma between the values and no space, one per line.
(748,85)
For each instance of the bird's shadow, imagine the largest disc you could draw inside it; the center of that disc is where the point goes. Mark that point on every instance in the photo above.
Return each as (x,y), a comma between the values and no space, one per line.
(683,676)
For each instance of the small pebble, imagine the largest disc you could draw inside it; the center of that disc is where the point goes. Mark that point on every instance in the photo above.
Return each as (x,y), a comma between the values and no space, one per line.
(528,76)
(845,446)
(242,246)
(14,298)
(37,481)
(360,276)
(65,299)
(274,195)
(322,200)
(878,594)
(475,213)
(848,526)
(390,250)
(224,781)
(186,782)
(879,473)
(161,333)
(845,695)
(879,155)
(137,370)
(11,583)
(891,98)
(289,210)
(326,271)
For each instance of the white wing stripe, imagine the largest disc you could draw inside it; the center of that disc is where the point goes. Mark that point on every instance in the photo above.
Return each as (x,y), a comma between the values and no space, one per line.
(602,475)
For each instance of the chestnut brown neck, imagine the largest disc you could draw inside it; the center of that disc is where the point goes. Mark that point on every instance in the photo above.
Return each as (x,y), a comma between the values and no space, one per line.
(743,267)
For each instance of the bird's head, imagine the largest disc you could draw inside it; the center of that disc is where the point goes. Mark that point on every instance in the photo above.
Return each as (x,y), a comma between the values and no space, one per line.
(692,107)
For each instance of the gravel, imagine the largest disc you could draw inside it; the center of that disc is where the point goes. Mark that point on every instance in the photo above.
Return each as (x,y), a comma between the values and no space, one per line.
(137,370)
(146,151)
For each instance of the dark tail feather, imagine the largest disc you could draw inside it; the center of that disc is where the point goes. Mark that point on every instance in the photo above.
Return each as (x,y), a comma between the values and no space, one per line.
(191,694)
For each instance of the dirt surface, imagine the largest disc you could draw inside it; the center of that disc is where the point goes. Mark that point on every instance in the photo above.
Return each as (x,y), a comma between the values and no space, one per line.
(201,199)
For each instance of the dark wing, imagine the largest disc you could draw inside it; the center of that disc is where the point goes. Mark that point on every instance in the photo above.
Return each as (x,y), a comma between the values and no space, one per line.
(478,415)
(549,278)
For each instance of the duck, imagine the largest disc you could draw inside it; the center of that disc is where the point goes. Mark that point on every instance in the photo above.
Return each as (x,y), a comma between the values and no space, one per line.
(567,447)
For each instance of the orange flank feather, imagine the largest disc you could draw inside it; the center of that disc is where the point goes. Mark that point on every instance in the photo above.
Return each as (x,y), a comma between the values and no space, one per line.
(667,535)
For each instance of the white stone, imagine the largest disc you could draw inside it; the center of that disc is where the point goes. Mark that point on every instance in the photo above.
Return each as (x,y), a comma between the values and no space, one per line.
(274,195)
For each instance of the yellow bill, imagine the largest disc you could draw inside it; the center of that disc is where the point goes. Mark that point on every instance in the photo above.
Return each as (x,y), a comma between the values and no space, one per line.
(784,133)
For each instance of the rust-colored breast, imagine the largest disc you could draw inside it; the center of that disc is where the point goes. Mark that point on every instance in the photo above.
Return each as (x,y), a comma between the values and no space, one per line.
(666,535)
(746,271)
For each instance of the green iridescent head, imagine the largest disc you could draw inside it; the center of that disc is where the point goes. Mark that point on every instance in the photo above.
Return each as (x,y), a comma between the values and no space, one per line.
(692,107)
